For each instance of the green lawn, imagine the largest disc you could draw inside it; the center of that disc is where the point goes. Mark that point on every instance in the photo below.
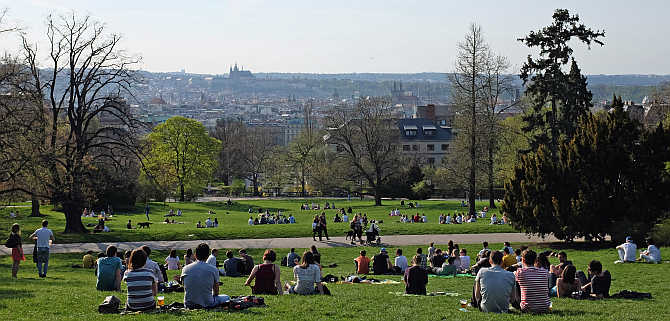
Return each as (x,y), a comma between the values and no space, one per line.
(69,294)
(233,221)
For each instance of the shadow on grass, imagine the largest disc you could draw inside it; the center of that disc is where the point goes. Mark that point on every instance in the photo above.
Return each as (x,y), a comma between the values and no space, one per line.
(580,246)
(13,294)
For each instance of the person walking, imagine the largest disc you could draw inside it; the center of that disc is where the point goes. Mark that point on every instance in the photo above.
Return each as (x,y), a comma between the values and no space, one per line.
(43,236)
(14,242)
(322,226)
(146,211)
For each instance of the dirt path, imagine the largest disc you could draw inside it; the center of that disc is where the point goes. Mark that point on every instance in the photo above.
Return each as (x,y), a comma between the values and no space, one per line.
(302,242)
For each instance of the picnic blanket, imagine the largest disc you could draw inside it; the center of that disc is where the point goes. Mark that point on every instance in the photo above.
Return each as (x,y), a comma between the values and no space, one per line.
(428,294)
(235,304)
(452,276)
(371,282)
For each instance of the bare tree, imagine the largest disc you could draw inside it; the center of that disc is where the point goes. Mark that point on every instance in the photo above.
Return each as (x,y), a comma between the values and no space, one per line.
(366,139)
(256,145)
(301,151)
(229,131)
(468,84)
(83,82)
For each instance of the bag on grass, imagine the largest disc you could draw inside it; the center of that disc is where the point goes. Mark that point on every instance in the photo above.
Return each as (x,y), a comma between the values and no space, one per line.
(627,294)
(109,305)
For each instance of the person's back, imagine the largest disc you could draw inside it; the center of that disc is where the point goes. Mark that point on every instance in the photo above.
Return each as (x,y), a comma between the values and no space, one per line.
(600,284)
(198,279)
(363,264)
(107,273)
(627,251)
(380,264)
(140,296)
(508,260)
(291,259)
(416,279)
(437,260)
(306,278)
(231,265)
(88,261)
(401,262)
(534,290)
(496,285)
(465,262)
(265,279)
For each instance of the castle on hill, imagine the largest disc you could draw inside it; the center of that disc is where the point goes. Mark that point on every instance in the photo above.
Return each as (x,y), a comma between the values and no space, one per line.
(239,73)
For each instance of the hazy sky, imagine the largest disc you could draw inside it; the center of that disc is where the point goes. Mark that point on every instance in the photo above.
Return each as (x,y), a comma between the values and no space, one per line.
(341,36)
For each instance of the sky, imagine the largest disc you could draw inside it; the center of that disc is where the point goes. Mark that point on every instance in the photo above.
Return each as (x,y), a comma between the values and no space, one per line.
(343,36)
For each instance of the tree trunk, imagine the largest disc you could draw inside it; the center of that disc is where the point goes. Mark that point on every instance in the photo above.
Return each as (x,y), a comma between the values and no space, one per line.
(73,222)
(378,197)
(181,192)
(492,203)
(35,207)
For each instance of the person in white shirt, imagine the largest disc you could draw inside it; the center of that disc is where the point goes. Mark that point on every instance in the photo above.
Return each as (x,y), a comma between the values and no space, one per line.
(652,254)
(400,261)
(345,218)
(465,260)
(424,218)
(447,219)
(251,220)
(459,219)
(208,223)
(494,219)
(211,260)
(151,265)
(627,251)
(43,236)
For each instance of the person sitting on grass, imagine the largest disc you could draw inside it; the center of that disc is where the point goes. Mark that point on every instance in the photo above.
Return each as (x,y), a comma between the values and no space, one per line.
(599,286)
(627,251)
(493,286)
(188,257)
(142,283)
(201,282)
(362,263)
(381,264)
(449,267)
(400,262)
(172,261)
(424,258)
(247,260)
(567,283)
(509,259)
(465,260)
(88,261)
(652,254)
(292,259)
(152,266)
(415,277)
(211,260)
(267,275)
(306,275)
(232,265)
(109,271)
(483,261)
(532,280)
(437,259)
(129,226)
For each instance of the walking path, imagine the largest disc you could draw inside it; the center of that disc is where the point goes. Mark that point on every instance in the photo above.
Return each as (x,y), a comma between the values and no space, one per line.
(301,242)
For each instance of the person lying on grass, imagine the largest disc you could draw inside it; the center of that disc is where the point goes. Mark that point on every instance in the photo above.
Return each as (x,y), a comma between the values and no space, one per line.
(306,275)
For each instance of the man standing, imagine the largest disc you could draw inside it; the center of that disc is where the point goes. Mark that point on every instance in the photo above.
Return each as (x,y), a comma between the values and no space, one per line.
(146,211)
(201,282)
(323,228)
(43,236)
(627,251)
(493,286)
(533,283)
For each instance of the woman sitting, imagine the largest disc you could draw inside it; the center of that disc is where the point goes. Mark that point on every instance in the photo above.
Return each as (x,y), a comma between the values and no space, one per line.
(142,283)
(306,275)
(567,283)
(267,275)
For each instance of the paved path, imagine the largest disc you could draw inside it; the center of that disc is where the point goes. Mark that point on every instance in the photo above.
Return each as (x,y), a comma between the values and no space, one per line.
(302,242)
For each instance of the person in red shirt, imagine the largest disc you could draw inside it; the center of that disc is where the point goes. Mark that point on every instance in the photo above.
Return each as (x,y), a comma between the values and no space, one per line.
(362,263)
(533,284)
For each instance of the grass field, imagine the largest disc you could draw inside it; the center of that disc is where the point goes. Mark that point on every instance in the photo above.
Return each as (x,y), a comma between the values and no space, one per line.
(233,221)
(69,294)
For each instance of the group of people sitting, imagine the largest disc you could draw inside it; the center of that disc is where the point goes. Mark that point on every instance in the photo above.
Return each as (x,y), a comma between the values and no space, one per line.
(414,219)
(200,275)
(317,206)
(267,218)
(103,215)
(208,223)
(628,252)
(172,213)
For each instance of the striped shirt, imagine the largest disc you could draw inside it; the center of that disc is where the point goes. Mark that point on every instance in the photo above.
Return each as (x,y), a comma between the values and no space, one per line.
(534,290)
(140,295)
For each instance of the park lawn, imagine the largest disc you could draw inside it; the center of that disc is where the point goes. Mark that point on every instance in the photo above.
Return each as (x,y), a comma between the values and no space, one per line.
(69,294)
(233,221)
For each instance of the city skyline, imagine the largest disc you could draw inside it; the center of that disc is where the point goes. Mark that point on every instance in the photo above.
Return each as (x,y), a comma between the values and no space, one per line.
(348,37)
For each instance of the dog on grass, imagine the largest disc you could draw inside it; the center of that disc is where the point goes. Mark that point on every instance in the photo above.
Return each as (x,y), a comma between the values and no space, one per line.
(143,224)
(350,235)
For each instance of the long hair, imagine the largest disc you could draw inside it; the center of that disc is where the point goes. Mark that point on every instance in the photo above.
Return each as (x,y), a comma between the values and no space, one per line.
(568,274)
(16,229)
(173,253)
(307,259)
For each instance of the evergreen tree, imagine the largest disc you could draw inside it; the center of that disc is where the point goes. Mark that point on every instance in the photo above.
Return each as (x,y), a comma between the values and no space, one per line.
(577,101)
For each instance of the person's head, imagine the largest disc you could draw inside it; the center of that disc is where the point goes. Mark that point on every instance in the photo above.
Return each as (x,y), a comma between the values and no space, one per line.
(486,244)
(517,252)
(146,250)
(629,239)
(89,252)
(383,250)
(416,260)
(562,257)
(450,243)
(173,253)
(189,252)
(215,252)
(451,260)
(438,252)
(269,255)
(431,244)
(229,254)
(496,258)
(138,258)
(128,221)
(242,252)
(363,252)
(307,259)
(126,255)
(313,249)
(455,252)
(45,223)
(202,252)
(111,251)
(419,251)
(506,250)
(568,274)
(464,252)
(528,257)
(292,250)
(15,228)
(543,261)
(507,244)
(650,241)
(595,267)
(398,252)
